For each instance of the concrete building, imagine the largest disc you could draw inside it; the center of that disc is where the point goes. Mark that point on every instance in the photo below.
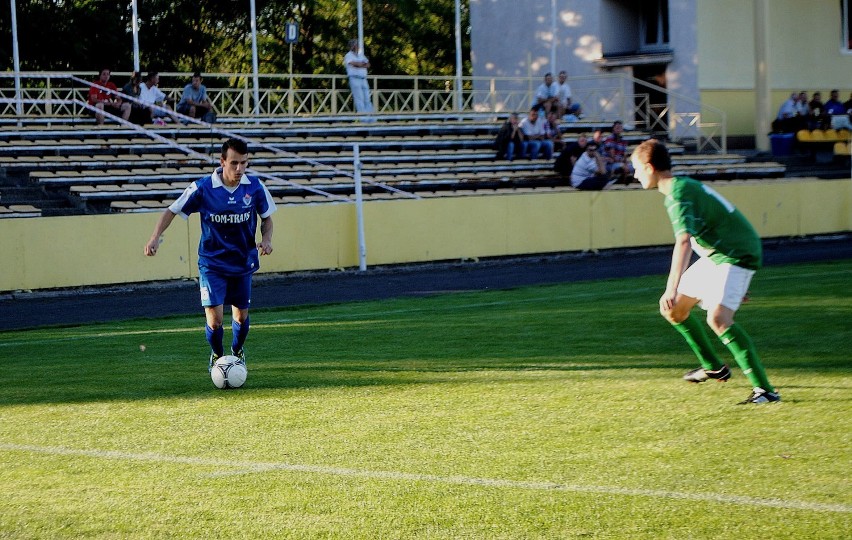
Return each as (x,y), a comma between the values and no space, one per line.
(743,57)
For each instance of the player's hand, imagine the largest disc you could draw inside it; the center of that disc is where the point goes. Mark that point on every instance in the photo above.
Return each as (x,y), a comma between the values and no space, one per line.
(152,246)
(667,300)
(265,248)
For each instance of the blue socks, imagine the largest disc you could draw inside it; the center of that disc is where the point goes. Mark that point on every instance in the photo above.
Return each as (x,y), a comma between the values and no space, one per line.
(240,333)
(214,338)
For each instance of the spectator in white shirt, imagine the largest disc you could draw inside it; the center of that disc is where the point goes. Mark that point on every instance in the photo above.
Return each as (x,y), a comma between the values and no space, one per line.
(535,136)
(589,173)
(150,94)
(545,95)
(568,109)
(356,70)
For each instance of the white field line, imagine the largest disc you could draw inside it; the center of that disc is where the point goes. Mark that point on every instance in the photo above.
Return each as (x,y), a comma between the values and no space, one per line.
(246,467)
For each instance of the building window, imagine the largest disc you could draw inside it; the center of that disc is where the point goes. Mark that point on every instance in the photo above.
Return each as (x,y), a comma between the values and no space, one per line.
(846,20)
(654,24)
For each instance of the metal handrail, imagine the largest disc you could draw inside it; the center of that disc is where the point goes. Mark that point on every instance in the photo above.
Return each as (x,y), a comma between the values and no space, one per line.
(605,97)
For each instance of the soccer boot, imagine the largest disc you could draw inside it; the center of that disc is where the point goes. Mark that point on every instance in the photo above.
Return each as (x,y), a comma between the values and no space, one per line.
(759,395)
(699,375)
(241,354)
(213,358)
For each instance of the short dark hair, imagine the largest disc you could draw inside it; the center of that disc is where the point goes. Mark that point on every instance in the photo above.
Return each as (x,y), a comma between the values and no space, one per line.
(237,145)
(196,74)
(151,75)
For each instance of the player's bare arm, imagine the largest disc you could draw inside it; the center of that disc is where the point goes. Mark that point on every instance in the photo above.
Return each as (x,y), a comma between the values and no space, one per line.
(680,261)
(162,224)
(265,245)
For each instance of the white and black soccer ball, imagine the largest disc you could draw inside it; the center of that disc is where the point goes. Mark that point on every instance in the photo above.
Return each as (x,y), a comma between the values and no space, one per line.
(228,372)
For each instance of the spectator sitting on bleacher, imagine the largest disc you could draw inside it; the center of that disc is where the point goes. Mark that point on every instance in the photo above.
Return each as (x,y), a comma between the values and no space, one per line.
(195,102)
(105,100)
(534,136)
(589,172)
(552,131)
(139,114)
(566,160)
(789,120)
(568,109)
(837,112)
(615,153)
(510,139)
(150,94)
(546,95)
(802,107)
(818,119)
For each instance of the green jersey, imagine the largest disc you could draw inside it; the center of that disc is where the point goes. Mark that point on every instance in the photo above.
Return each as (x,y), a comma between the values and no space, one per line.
(719,231)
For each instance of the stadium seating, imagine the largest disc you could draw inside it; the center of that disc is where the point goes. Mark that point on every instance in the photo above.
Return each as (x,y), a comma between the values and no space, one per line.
(116,169)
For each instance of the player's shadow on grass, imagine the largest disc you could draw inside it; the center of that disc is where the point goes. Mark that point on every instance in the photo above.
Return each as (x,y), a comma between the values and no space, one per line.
(153,380)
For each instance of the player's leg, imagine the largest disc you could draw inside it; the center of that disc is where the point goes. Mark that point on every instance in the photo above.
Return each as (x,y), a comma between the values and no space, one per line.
(239,296)
(692,330)
(213,288)
(692,291)
(720,317)
(214,329)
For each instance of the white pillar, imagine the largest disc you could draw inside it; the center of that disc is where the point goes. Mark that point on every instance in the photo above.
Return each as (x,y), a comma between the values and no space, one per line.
(359,209)
(762,92)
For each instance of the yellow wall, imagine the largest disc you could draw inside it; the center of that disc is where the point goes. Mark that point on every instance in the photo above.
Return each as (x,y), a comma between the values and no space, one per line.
(90,250)
(804,54)
(804,41)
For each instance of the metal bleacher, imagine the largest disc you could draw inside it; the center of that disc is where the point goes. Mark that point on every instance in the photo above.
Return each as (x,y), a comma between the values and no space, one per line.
(116,169)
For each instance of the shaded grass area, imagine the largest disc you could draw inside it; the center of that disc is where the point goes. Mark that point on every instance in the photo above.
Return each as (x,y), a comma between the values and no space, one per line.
(542,412)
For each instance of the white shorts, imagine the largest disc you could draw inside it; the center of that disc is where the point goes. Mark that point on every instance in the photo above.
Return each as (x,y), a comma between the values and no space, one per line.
(715,284)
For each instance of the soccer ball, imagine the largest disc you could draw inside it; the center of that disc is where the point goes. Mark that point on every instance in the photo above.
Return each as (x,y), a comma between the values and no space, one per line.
(228,373)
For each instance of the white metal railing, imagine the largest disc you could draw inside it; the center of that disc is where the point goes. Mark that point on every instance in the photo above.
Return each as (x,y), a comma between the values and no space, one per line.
(604,97)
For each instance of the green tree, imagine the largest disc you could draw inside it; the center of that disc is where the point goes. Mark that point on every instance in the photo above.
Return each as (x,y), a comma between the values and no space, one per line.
(402,37)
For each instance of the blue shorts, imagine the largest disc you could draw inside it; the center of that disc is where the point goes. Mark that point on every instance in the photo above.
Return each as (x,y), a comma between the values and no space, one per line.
(218,289)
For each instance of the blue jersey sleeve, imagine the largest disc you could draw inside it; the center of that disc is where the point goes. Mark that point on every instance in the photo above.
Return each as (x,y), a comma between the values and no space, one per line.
(189,201)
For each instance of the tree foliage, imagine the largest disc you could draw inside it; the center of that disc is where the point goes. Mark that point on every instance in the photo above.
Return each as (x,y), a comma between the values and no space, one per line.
(402,37)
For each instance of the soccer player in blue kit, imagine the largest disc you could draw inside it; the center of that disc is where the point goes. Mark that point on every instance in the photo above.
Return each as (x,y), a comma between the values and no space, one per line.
(229,203)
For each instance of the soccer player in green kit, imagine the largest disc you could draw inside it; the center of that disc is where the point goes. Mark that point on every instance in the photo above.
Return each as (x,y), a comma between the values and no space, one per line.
(729,252)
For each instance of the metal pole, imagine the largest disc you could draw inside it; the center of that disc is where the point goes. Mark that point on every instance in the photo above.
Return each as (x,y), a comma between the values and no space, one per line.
(458,58)
(135,24)
(19,107)
(360,27)
(359,209)
(254,59)
(290,93)
(553,36)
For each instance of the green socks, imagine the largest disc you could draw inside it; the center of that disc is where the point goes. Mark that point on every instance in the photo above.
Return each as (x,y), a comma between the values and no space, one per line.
(693,332)
(739,343)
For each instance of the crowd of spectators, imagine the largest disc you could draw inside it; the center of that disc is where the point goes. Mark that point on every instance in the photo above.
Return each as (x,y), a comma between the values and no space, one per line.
(591,162)
(798,112)
(141,101)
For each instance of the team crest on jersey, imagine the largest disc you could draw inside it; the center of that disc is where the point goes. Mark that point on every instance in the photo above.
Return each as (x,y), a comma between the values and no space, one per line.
(247,200)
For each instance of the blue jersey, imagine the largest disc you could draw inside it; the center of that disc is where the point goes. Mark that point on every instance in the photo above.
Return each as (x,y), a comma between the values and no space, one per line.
(228,221)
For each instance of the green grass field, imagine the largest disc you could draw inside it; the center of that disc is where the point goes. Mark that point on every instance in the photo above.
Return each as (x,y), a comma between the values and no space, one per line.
(543,412)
